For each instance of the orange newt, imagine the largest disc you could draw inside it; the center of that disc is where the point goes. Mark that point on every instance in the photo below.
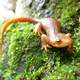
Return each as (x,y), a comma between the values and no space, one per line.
(48,29)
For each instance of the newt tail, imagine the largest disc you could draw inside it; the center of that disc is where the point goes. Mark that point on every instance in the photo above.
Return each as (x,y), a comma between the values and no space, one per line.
(16,20)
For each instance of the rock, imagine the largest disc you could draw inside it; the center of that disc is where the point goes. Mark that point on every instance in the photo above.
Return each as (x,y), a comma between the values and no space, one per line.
(5,14)
(7,8)
(35,8)
(44,7)
(38,4)
(22,8)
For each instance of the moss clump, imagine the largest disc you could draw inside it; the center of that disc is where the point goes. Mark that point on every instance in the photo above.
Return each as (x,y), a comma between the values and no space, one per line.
(68,11)
(76,37)
(24,59)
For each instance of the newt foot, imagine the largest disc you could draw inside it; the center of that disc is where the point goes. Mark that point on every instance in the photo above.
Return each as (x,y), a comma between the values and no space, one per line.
(45,42)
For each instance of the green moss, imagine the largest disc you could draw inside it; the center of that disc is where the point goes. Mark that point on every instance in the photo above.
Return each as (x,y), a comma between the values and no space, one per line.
(24,59)
(68,11)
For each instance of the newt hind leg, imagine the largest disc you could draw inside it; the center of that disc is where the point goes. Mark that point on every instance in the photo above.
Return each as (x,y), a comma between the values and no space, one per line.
(45,42)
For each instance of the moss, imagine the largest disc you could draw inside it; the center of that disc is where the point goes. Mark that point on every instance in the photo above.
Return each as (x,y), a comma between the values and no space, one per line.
(68,11)
(24,59)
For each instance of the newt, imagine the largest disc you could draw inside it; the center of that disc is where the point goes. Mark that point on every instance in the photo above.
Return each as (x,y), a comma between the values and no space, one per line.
(49,31)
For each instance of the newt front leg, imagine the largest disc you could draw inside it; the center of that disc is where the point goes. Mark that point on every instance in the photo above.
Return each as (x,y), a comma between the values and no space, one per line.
(45,42)
(38,29)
